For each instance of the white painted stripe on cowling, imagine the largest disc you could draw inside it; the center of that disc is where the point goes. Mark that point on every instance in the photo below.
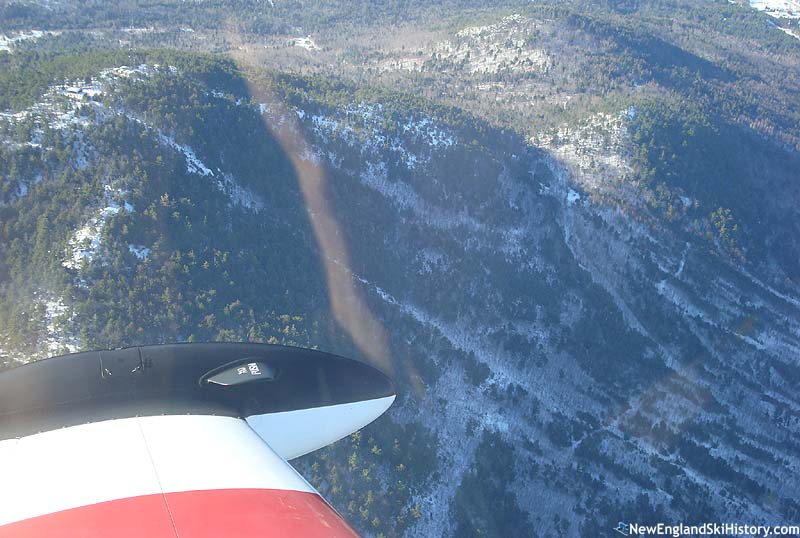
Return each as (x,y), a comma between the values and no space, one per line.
(294,433)
(118,459)
(215,453)
(9,475)
(76,466)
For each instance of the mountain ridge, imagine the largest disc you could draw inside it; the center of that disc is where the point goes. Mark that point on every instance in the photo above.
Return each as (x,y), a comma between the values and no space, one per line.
(569,354)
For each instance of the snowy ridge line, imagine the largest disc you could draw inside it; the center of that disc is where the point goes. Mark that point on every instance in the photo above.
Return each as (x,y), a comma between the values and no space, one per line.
(193,164)
(494,48)
(507,23)
(780,9)
(372,138)
(224,182)
(60,105)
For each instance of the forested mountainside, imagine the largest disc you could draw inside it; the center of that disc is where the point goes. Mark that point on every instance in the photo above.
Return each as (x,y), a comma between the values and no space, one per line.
(576,252)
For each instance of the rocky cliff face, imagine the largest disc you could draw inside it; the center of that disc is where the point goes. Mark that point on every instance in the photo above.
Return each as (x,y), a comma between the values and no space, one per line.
(626,372)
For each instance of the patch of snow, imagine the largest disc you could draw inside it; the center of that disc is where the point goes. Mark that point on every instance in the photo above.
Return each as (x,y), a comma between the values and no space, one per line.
(430,132)
(572,197)
(125,71)
(240,195)
(57,339)
(138,31)
(8,41)
(305,43)
(309,155)
(91,90)
(404,63)
(682,263)
(430,259)
(679,299)
(85,243)
(494,422)
(139,251)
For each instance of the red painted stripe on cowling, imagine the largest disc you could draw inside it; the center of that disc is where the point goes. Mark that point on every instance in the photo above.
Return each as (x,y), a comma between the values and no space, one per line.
(229,513)
(124,518)
(255,513)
